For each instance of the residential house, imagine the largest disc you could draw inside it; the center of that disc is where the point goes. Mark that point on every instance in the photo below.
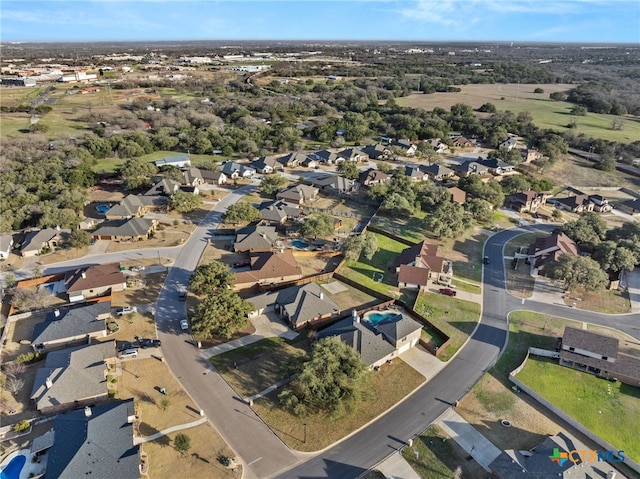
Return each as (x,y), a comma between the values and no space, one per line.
(179,161)
(406,146)
(631,207)
(278,212)
(93,442)
(575,204)
(93,281)
(546,460)
(525,201)
(600,203)
(235,170)
(377,152)
(298,194)
(163,187)
(327,157)
(598,354)
(268,268)
(438,145)
(413,277)
(292,160)
(298,305)
(461,142)
(457,195)
(214,177)
(424,255)
(352,154)
(376,343)
(73,377)
(510,143)
(416,172)
(529,154)
(66,326)
(193,176)
(254,238)
(373,177)
(136,205)
(469,168)
(549,249)
(35,242)
(310,162)
(132,229)
(438,172)
(496,166)
(333,184)
(266,165)
(6,243)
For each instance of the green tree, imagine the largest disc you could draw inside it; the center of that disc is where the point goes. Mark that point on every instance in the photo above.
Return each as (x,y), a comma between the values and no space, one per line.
(184,202)
(589,229)
(579,110)
(137,173)
(479,210)
(538,90)
(79,238)
(270,184)
(370,245)
(220,314)
(607,163)
(398,204)
(209,278)
(448,220)
(329,382)
(348,169)
(172,173)
(241,212)
(182,443)
(515,184)
(365,244)
(574,270)
(318,224)
(613,257)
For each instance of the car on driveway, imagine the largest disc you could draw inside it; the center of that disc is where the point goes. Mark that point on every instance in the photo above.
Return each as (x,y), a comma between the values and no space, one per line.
(184,324)
(126,310)
(448,291)
(147,343)
(125,346)
(241,264)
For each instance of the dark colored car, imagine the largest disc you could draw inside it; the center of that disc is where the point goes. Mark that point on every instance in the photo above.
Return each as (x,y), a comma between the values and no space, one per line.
(485,260)
(448,291)
(125,346)
(182,296)
(147,343)
(241,264)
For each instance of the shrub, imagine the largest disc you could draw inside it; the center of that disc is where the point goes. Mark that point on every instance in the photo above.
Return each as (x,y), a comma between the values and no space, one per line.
(29,358)
(21,426)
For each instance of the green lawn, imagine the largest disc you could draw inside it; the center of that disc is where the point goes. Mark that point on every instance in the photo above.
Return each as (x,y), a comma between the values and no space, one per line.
(466,253)
(454,317)
(610,410)
(411,229)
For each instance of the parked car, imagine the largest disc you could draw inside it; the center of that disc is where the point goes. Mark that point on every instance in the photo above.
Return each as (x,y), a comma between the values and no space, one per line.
(485,260)
(126,310)
(184,324)
(129,353)
(182,296)
(137,268)
(448,291)
(125,346)
(147,343)
(241,264)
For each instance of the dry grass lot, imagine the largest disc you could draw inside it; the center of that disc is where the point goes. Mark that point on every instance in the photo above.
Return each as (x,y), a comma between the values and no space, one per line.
(167,234)
(602,301)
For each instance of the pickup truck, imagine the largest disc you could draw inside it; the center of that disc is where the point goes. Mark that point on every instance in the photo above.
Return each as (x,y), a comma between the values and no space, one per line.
(448,291)
(126,310)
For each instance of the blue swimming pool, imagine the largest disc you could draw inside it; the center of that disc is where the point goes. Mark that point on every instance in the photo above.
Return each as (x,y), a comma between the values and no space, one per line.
(12,471)
(102,209)
(375,317)
(299,244)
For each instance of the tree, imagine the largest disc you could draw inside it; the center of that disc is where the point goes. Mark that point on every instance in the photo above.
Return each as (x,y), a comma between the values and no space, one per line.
(14,384)
(579,110)
(558,96)
(13,369)
(79,238)
(515,184)
(348,169)
(613,257)
(538,90)
(270,184)
(184,202)
(398,204)
(370,245)
(574,270)
(448,220)
(209,278)
(182,443)
(137,173)
(354,246)
(488,108)
(318,224)
(329,382)
(241,212)
(479,210)
(589,229)
(607,163)
(220,314)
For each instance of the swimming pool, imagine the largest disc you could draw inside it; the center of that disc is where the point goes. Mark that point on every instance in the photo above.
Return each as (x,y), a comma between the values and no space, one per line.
(374,317)
(13,468)
(299,244)
(102,209)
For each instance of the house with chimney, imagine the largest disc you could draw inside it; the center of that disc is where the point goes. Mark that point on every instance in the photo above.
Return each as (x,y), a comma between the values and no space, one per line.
(278,212)
(38,241)
(549,249)
(269,267)
(420,263)
(255,239)
(193,176)
(93,281)
(416,173)
(73,377)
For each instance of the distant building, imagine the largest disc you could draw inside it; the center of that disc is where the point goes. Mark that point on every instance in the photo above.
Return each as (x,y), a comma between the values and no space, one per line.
(19,81)
(179,161)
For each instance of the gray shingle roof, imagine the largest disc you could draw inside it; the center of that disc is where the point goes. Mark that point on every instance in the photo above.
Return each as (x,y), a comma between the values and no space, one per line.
(132,227)
(593,342)
(397,327)
(5,242)
(255,238)
(34,240)
(71,322)
(305,303)
(278,211)
(99,446)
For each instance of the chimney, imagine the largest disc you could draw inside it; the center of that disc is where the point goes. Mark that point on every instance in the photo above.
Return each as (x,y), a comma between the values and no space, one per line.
(354,316)
(418,261)
(611,474)
(321,295)
(87,411)
(48,382)
(56,313)
(84,275)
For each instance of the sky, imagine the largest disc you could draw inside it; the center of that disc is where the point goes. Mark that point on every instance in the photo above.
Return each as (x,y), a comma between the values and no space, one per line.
(582,21)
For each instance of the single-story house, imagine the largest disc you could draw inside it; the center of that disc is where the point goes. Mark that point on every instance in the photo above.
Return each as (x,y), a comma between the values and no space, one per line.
(6,243)
(438,172)
(269,267)
(377,152)
(163,187)
(266,165)
(65,326)
(407,147)
(352,154)
(457,195)
(132,229)
(235,170)
(214,177)
(373,177)
(438,145)
(193,176)
(416,173)
(36,241)
(278,211)
(510,143)
(496,166)
(292,160)
(254,238)
(469,168)
(600,203)
(525,201)
(333,184)
(94,442)
(377,343)
(631,207)
(93,281)
(424,255)
(310,162)
(528,155)
(73,377)
(549,249)
(461,142)
(298,194)
(179,161)
(327,157)
(136,205)
(576,204)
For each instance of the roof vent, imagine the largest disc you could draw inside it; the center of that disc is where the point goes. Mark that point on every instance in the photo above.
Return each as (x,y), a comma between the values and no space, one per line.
(87,411)
(56,313)
(84,275)
(48,382)
(321,295)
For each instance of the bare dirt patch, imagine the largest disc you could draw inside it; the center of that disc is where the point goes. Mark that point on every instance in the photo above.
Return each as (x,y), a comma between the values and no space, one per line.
(602,301)
(577,171)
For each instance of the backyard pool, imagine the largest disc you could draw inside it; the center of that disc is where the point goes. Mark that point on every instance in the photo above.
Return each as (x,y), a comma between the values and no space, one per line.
(299,244)
(12,469)
(102,209)
(374,317)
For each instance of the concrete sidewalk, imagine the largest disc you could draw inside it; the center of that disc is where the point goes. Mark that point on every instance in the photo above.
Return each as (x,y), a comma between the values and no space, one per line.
(396,467)
(478,446)
(169,430)
(632,280)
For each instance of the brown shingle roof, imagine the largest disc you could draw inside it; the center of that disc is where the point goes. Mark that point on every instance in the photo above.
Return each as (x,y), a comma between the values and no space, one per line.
(270,265)
(593,342)
(97,276)
(561,241)
(413,275)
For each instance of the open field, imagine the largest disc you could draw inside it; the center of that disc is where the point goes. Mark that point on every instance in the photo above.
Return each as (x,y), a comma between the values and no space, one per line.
(609,409)
(546,113)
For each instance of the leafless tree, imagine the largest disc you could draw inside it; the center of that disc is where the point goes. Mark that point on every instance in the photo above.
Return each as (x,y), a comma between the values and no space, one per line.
(14,385)
(14,369)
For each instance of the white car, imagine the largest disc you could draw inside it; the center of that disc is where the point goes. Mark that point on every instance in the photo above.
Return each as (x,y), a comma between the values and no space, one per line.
(184,324)
(126,310)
